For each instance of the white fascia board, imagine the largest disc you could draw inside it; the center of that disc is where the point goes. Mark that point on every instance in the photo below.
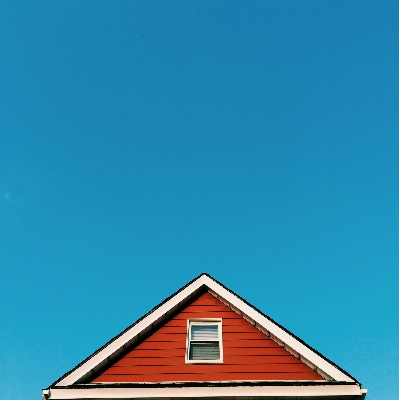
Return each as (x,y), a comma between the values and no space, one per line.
(280,333)
(118,343)
(230,298)
(207,391)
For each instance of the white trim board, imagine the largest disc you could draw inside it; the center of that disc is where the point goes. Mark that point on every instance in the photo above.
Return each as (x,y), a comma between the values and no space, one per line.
(277,333)
(207,391)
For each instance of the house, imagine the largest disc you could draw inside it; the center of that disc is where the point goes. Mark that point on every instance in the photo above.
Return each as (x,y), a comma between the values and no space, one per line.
(205,341)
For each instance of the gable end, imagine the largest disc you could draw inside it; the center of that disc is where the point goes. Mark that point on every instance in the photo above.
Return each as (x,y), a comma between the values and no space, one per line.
(145,326)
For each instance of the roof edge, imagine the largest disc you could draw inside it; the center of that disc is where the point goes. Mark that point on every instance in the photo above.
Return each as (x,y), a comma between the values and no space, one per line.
(283,328)
(126,329)
(207,384)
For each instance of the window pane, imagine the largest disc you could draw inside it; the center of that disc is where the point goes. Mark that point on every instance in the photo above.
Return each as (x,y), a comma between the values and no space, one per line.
(204,351)
(204,332)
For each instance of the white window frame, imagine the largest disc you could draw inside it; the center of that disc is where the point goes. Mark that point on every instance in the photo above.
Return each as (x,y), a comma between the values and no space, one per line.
(204,321)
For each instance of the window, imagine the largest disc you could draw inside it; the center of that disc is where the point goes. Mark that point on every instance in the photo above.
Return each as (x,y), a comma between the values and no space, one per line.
(204,341)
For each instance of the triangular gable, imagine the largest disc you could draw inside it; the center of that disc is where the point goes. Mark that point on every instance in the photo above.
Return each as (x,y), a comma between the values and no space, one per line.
(249,354)
(322,378)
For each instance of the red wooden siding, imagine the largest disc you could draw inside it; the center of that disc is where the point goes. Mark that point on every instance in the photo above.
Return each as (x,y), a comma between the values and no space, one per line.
(248,354)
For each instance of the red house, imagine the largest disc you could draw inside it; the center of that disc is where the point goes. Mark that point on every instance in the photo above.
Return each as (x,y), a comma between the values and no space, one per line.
(205,341)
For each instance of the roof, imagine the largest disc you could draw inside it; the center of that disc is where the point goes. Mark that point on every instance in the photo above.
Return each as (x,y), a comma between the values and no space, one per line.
(336,381)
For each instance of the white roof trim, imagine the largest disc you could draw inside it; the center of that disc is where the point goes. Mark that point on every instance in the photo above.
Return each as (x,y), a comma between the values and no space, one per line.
(276,332)
(207,391)
(281,335)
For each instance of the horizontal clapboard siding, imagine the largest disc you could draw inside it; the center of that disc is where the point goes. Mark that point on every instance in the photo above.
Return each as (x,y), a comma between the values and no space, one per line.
(232,360)
(165,377)
(215,368)
(248,353)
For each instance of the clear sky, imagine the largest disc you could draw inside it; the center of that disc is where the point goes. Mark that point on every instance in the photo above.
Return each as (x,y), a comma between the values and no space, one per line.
(143,143)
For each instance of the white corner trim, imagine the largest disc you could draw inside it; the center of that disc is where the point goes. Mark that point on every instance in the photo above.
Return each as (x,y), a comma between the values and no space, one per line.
(207,391)
(236,302)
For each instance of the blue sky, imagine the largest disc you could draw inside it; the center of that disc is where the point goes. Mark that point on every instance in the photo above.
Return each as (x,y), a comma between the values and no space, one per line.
(143,143)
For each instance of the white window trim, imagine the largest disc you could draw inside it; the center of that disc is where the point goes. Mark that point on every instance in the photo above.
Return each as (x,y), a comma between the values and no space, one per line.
(204,321)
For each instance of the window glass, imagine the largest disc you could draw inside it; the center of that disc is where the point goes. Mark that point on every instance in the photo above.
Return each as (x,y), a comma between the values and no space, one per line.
(204,332)
(204,351)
